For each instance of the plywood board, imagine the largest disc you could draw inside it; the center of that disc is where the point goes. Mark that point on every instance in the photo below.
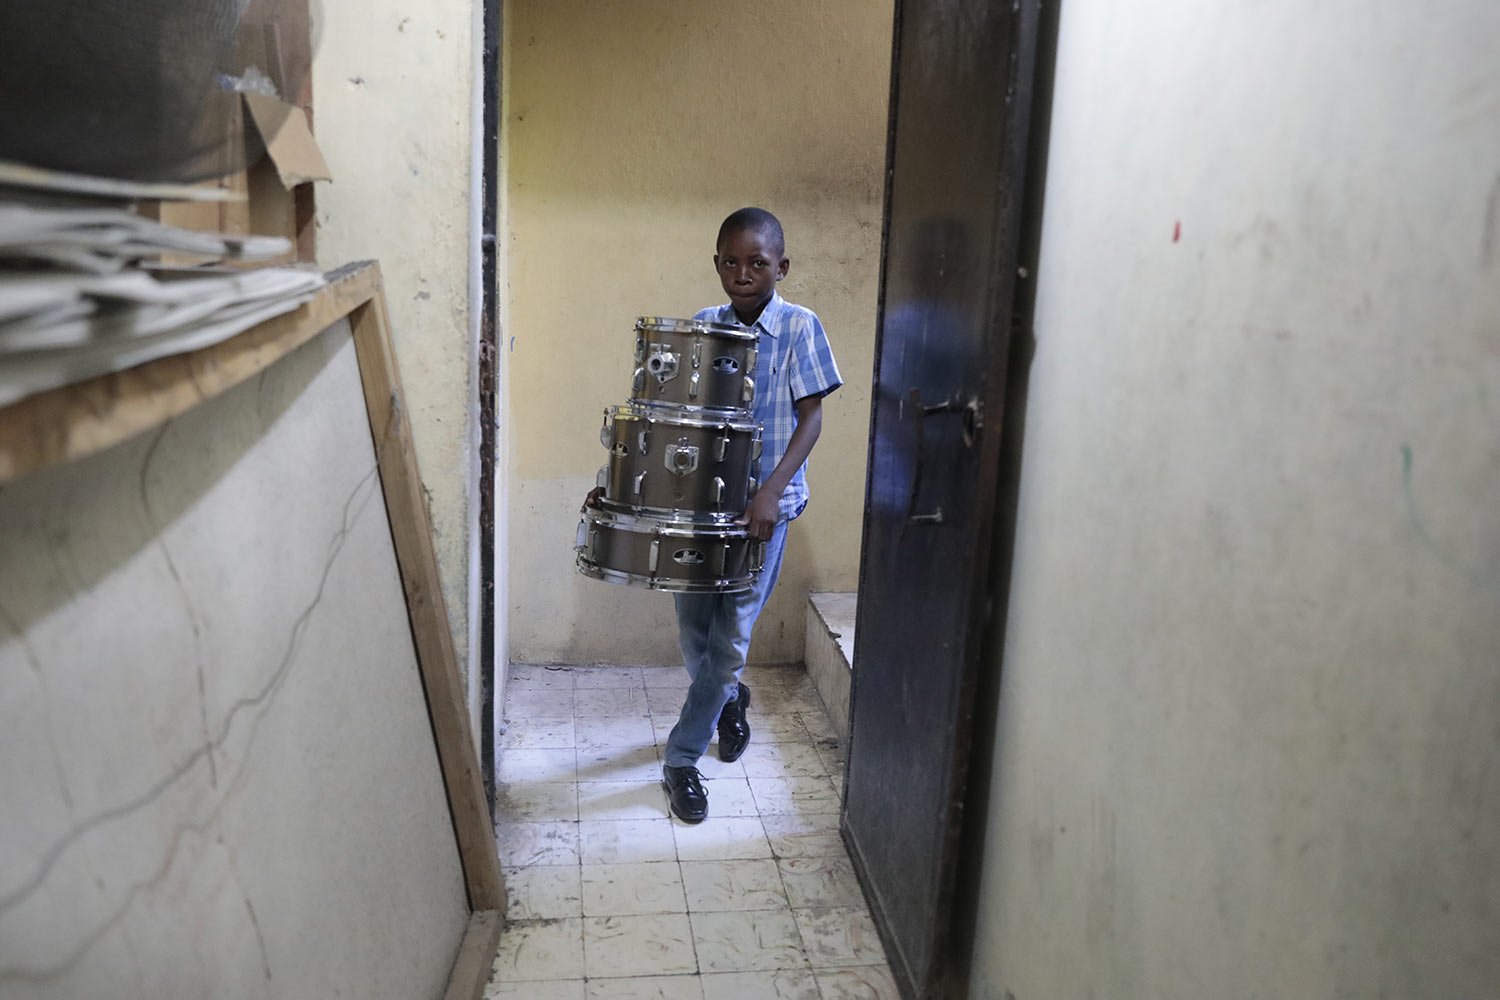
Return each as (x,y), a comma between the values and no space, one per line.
(232,765)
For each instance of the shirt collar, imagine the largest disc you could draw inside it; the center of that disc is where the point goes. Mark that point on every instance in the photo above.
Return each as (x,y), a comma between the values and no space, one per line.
(767,319)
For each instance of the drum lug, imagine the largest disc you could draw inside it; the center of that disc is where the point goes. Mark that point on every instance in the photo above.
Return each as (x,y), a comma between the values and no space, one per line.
(638,381)
(662,363)
(718,492)
(693,384)
(749,390)
(697,356)
(681,459)
(640,481)
(757,556)
(655,556)
(723,560)
(753,487)
(602,479)
(605,429)
(723,447)
(643,441)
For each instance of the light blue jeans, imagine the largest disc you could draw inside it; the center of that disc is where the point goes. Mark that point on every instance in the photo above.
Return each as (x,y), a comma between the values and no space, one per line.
(714,632)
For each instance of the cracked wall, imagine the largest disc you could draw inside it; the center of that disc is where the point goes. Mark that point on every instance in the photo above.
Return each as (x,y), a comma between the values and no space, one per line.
(392,85)
(216,766)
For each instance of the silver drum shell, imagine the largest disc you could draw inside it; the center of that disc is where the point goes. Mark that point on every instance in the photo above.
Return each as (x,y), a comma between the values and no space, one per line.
(694,363)
(677,464)
(673,556)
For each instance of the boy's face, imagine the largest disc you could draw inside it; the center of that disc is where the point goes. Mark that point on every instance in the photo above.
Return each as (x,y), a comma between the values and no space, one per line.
(749,265)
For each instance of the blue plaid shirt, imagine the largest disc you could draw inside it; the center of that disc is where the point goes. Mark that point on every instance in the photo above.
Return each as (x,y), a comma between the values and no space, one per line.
(795,362)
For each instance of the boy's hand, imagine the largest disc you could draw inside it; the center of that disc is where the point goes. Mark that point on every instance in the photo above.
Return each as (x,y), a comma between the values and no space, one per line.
(592,500)
(760,517)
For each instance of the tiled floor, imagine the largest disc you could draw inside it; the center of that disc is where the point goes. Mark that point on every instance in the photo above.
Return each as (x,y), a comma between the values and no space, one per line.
(610,899)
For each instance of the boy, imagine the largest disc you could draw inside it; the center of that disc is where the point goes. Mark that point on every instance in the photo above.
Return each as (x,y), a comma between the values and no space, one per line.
(793,372)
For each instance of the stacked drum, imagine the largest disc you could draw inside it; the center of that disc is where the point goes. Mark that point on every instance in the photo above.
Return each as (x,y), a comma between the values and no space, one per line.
(681,457)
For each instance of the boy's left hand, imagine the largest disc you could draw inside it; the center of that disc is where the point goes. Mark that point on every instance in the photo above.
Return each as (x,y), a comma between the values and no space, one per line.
(760,517)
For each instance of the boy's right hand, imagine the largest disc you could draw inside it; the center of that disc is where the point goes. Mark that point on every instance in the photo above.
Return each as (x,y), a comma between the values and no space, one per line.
(592,500)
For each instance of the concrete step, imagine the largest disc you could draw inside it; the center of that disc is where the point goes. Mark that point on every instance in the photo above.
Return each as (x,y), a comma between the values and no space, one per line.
(830,652)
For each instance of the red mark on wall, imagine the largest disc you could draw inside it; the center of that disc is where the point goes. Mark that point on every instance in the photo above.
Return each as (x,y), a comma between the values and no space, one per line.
(1176,231)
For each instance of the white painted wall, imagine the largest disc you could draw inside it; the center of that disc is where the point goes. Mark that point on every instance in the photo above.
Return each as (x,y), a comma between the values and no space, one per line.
(217,774)
(393,88)
(1248,726)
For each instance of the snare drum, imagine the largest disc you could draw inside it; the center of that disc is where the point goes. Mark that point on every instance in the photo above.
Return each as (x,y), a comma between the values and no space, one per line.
(678,464)
(694,363)
(666,555)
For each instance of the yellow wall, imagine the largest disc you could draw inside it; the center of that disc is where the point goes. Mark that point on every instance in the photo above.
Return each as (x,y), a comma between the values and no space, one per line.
(392,90)
(634,128)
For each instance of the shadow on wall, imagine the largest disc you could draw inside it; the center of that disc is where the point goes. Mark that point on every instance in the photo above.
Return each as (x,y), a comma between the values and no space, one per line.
(136,489)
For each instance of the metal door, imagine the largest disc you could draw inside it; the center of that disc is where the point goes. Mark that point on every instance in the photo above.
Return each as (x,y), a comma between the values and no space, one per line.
(960,108)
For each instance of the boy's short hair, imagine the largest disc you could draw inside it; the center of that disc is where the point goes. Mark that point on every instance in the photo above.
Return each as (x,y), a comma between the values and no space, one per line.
(753,220)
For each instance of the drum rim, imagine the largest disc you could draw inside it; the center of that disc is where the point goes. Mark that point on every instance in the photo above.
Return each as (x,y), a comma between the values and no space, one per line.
(674,325)
(666,584)
(676,413)
(683,517)
(610,511)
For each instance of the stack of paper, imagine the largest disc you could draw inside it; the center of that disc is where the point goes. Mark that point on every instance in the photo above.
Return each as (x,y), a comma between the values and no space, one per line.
(74,302)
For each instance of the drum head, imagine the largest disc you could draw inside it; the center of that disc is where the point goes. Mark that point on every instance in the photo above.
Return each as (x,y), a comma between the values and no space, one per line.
(680,416)
(664,324)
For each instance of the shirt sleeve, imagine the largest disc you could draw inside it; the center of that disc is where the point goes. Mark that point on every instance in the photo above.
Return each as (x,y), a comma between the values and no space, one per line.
(814,372)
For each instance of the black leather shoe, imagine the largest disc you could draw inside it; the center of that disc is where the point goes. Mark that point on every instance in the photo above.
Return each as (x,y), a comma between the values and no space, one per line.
(685,792)
(734,729)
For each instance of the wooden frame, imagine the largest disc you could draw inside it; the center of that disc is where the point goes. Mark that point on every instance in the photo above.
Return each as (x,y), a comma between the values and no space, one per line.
(73,421)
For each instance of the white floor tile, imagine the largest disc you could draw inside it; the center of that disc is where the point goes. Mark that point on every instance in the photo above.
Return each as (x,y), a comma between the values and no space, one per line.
(665,677)
(522,845)
(786,984)
(666,702)
(521,764)
(541,949)
(543,733)
(817,882)
(872,982)
(551,989)
(619,764)
(658,945)
(742,942)
(626,890)
(794,795)
(710,766)
(729,797)
(624,841)
(607,677)
(536,676)
(781,700)
(804,835)
(832,756)
(722,838)
(602,800)
(661,728)
(837,937)
(817,725)
(769,727)
(615,732)
(608,703)
(538,702)
(782,760)
(734,885)
(537,802)
(596,904)
(647,988)
(543,892)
